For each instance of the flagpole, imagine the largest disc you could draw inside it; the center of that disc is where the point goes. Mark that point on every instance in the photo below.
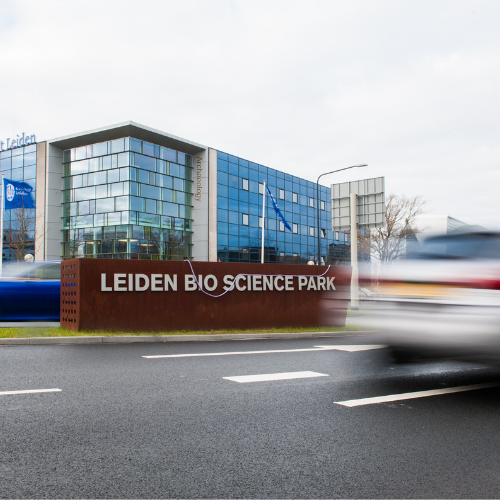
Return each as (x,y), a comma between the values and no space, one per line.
(1,225)
(263,222)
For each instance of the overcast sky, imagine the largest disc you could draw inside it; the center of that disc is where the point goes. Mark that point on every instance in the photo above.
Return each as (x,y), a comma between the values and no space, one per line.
(408,87)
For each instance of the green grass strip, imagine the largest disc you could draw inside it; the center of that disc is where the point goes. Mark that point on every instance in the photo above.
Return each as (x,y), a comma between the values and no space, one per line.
(55,331)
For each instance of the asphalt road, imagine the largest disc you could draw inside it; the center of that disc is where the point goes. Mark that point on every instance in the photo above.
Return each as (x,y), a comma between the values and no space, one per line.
(125,426)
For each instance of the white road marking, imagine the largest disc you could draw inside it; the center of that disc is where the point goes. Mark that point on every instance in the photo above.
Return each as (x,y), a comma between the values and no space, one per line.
(415,395)
(353,348)
(33,391)
(274,376)
(348,348)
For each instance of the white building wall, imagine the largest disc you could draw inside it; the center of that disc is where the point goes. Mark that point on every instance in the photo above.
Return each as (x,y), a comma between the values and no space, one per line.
(212,205)
(53,203)
(41,170)
(200,206)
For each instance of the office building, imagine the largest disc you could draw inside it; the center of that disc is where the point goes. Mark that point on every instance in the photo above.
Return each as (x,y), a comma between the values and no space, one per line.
(130,191)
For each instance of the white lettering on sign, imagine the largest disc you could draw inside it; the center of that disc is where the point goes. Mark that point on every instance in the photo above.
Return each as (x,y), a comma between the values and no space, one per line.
(208,286)
(105,288)
(267,283)
(280,278)
(257,283)
(228,282)
(237,283)
(156,283)
(144,286)
(190,283)
(121,282)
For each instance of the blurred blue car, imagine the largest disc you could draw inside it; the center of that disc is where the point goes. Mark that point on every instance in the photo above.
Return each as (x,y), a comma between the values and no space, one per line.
(30,291)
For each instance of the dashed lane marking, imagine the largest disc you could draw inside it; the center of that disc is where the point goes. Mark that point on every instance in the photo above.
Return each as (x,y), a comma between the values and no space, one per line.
(32,391)
(415,395)
(347,348)
(274,376)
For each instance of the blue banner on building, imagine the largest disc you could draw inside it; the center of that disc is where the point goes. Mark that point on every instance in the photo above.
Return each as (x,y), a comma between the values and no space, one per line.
(278,211)
(17,195)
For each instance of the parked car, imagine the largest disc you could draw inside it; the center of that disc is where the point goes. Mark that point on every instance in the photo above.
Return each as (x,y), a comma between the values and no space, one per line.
(443,300)
(30,291)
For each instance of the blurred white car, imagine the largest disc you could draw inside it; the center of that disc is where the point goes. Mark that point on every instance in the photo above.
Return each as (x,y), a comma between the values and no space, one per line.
(444,300)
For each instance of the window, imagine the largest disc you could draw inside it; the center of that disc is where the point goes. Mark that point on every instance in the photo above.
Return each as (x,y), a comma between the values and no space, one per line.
(295,228)
(322,205)
(311,231)
(260,221)
(244,220)
(282,194)
(311,202)
(261,188)
(245,184)
(295,197)
(323,233)
(282,227)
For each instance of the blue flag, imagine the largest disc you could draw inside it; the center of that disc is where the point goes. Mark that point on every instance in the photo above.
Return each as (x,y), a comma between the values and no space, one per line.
(278,211)
(17,195)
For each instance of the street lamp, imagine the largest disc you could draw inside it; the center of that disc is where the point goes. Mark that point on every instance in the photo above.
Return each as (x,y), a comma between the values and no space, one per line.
(317,199)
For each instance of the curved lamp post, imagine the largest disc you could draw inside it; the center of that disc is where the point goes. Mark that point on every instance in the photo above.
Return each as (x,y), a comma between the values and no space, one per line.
(317,200)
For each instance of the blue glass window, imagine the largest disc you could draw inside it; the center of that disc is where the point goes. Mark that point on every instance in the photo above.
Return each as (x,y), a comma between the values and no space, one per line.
(170,209)
(148,191)
(168,154)
(17,174)
(167,195)
(143,176)
(101,191)
(113,176)
(30,159)
(85,193)
(222,215)
(135,145)
(137,204)
(145,162)
(148,149)
(100,149)
(105,205)
(178,184)
(161,166)
(151,206)
(117,146)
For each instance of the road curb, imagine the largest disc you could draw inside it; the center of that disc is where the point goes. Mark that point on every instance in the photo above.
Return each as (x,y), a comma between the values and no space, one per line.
(128,339)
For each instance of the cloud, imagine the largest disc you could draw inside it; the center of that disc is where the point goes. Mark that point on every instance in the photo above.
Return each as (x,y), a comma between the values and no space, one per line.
(306,87)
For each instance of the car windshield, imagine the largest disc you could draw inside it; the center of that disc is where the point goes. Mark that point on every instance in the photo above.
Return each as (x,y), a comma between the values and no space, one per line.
(465,246)
(36,270)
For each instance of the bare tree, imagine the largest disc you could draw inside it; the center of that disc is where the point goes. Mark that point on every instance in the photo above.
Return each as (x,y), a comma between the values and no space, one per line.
(20,238)
(389,243)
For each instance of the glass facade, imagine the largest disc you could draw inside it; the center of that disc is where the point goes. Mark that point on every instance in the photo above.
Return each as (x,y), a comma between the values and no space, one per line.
(19,164)
(239,213)
(127,199)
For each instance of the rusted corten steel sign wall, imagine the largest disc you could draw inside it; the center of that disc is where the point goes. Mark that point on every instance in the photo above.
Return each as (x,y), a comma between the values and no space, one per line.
(139,295)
